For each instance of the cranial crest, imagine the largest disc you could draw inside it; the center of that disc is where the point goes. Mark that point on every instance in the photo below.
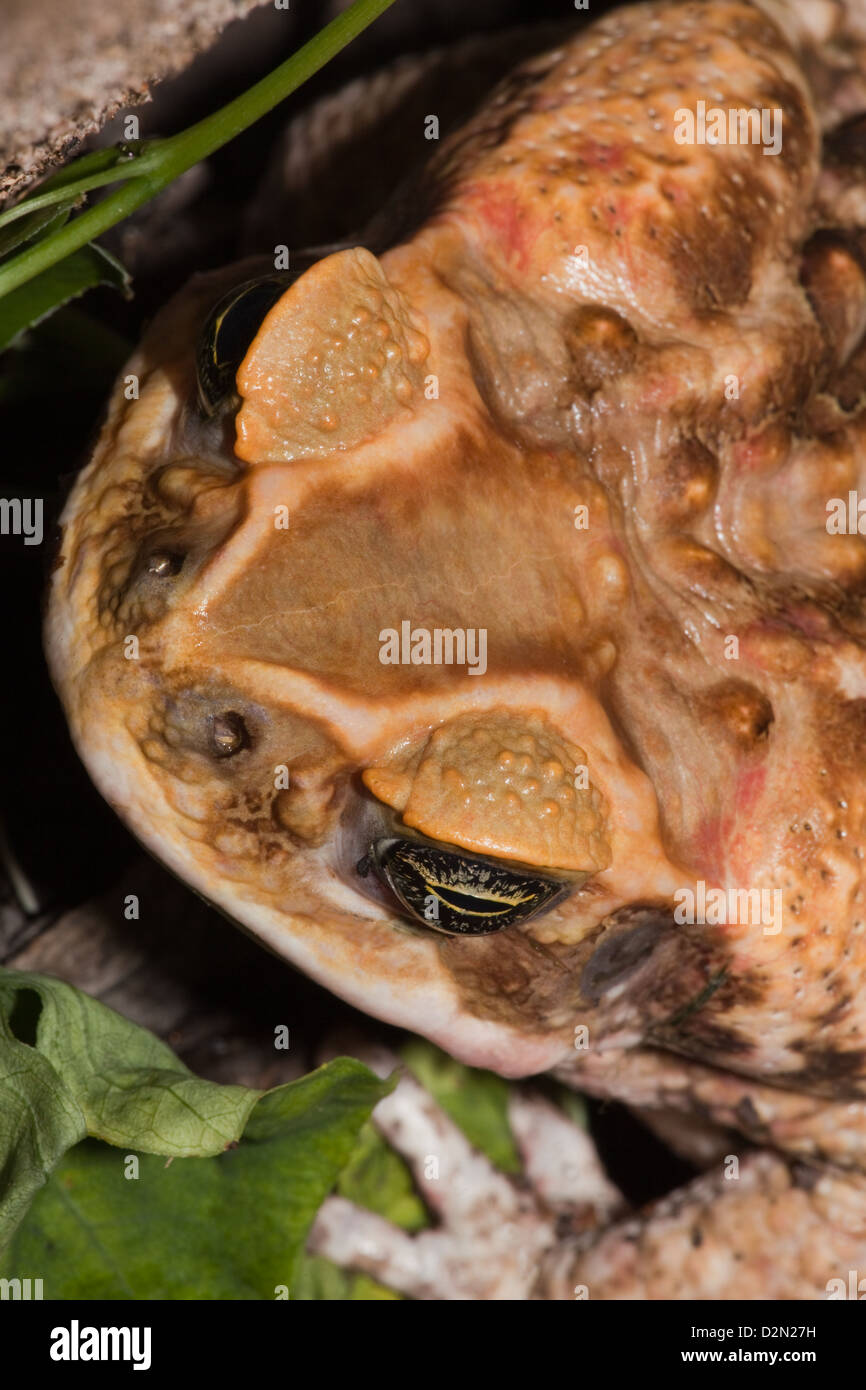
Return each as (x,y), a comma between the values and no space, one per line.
(500,783)
(336,360)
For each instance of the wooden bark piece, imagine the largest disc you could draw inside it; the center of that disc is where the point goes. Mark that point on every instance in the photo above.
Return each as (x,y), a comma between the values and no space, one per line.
(66,67)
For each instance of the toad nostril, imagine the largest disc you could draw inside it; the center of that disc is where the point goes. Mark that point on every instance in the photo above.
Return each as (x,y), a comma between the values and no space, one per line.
(228,734)
(745,712)
(165,564)
(631,937)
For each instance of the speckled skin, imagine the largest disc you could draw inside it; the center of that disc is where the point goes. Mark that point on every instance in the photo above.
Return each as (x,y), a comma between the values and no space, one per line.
(595,406)
(767,1235)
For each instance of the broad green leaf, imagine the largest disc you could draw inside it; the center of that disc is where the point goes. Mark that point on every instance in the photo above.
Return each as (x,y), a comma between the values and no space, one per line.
(379,1179)
(130,1087)
(30,303)
(476,1100)
(39,1121)
(230,1227)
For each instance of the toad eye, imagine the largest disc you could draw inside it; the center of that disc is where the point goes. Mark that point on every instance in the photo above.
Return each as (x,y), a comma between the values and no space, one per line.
(226,335)
(461,894)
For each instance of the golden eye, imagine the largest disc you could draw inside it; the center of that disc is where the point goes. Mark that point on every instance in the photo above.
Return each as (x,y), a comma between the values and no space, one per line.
(226,335)
(478,904)
(461,894)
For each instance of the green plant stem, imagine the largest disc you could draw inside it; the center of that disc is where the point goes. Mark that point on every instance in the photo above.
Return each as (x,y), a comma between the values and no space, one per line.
(178,153)
(68,193)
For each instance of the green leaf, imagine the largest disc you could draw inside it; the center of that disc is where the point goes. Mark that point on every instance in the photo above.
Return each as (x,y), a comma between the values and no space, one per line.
(380,1180)
(230,1227)
(376,1178)
(227,1226)
(39,1121)
(476,1100)
(34,226)
(130,1087)
(26,306)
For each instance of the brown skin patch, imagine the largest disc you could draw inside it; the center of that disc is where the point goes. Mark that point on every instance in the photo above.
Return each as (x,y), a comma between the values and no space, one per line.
(745,713)
(708,1039)
(845,729)
(686,1010)
(670,978)
(805,1176)
(360,560)
(828,1071)
(623,948)
(837,1011)
(601,344)
(712,267)
(749,1119)
(509,978)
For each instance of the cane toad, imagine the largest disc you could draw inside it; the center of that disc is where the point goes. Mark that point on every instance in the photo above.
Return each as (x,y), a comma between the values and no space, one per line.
(470,621)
